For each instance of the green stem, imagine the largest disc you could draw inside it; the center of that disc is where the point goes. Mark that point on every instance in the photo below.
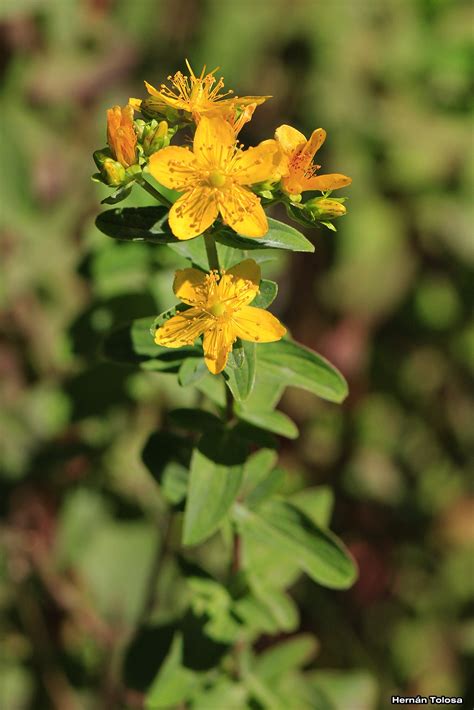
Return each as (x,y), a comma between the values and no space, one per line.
(154,192)
(211,251)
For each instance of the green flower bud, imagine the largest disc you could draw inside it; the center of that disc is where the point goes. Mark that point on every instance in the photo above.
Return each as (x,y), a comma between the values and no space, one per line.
(325,208)
(100,156)
(140,126)
(114,172)
(155,136)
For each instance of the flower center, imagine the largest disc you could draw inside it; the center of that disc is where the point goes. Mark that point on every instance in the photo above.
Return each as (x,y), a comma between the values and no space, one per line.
(217,179)
(217,310)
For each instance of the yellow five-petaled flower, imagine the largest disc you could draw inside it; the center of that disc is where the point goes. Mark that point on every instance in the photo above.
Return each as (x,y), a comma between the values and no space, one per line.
(121,135)
(213,177)
(197,96)
(220,310)
(299,173)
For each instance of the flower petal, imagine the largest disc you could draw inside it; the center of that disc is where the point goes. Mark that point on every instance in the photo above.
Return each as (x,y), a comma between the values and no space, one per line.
(256,164)
(314,144)
(242,211)
(183,329)
(214,143)
(193,213)
(217,345)
(257,325)
(239,285)
(174,167)
(332,181)
(248,270)
(190,286)
(289,138)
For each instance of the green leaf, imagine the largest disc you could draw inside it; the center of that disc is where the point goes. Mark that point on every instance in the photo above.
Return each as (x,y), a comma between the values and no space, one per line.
(298,366)
(214,482)
(137,223)
(279,236)
(341,687)
(318,552)
(317,503)
(213,387)
(255,435)
(240,380)
(212,601)
(222,694)
(121,193)
(133,344)
(167,456)
(191,371)
(267,293)
(267,390)
(192,249)
(256,469)
(269,613)
(276,422)
(285,656)
(174,683)
(195,420)
(272,483)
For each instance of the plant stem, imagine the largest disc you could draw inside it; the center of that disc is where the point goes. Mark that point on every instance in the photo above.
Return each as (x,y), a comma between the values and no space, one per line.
(211,251)
(154,192)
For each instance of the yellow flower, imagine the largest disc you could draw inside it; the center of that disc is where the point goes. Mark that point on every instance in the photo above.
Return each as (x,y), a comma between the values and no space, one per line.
(213,178)
(300,171)
(196,95)
(121,135)
(220,310)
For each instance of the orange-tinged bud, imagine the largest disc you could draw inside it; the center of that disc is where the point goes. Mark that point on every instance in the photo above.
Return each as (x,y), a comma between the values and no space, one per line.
(121,135)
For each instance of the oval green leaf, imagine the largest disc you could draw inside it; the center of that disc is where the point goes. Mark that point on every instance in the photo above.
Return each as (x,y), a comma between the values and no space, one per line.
(215,478)
(298,366)
(318,552)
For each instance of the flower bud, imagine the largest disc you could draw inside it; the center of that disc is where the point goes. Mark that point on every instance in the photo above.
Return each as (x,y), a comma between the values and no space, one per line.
(121,135)
(325,208)
(155,136)
(113,172)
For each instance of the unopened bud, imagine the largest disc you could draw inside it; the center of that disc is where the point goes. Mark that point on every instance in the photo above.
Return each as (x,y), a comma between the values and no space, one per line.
(114,172)
(155,137)
(325,208)
(100,156)
(295,198)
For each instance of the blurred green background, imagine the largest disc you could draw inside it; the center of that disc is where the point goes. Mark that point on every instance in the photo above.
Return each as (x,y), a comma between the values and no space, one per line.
(387,299)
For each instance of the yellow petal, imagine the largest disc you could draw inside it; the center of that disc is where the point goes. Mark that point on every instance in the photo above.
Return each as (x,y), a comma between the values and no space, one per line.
(289,138)
(135,103)
(314,144)
(248,270)
(257,325)
(242,211)
(189,286)
(151,90)
(217,345)
(174,167)
(332,181)
(183,329)
(193,213)
(214,142)
(256,164)
(239,286)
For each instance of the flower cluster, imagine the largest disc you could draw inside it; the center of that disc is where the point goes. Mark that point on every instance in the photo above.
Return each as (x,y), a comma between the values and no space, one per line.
(216,186)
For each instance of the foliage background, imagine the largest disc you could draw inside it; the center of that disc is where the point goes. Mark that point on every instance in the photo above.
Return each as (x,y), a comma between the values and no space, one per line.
(387,299)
